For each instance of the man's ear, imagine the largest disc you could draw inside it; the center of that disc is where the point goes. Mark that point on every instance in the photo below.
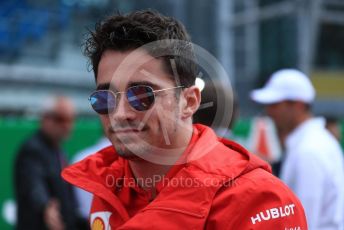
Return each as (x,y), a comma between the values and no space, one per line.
(191,101)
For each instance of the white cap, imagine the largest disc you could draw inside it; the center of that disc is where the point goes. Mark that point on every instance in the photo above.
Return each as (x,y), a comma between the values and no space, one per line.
(285,84)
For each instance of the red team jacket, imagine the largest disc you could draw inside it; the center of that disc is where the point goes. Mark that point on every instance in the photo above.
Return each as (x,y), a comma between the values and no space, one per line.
(221,186)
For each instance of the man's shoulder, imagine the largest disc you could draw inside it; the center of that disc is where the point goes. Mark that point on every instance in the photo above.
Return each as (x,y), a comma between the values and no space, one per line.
(237,173)
(316,138)
(260,181)
(318,146)
(31,147)
(258,199)
(230,161)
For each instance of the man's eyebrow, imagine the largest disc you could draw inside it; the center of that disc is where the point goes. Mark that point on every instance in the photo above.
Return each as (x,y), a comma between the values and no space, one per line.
(103,86)
(135,83)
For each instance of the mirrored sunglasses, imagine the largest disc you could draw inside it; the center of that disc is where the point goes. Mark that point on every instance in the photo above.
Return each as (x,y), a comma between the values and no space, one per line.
(139,97)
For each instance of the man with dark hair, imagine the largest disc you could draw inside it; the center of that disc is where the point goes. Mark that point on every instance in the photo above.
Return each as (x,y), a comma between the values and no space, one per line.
(161,170)
(313,165)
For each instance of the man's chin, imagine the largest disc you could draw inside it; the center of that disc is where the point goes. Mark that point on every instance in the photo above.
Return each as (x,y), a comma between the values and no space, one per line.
(129,152)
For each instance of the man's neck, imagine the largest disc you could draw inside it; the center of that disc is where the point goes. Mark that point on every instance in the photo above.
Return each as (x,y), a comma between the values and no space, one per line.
(148,174)
(49,139)
(300,120)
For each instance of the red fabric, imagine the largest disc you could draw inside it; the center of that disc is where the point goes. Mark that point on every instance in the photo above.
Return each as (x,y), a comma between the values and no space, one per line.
(221,186)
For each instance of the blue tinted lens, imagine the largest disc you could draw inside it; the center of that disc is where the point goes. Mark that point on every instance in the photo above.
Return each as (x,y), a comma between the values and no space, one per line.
(103,101)
(140,97)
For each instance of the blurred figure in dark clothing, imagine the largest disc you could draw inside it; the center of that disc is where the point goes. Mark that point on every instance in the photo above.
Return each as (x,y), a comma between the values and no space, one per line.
(44,200)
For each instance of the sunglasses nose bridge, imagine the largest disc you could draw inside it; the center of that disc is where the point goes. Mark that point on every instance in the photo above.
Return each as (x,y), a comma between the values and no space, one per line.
(123,108)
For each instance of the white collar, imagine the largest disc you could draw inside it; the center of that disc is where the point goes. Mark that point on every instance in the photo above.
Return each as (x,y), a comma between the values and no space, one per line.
(296,135)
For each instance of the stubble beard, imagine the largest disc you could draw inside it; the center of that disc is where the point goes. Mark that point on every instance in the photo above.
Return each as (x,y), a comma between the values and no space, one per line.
(131,151)
(139,148)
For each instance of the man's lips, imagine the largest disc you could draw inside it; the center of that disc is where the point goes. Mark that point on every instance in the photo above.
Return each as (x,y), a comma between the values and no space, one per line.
(126,131)
(129,129)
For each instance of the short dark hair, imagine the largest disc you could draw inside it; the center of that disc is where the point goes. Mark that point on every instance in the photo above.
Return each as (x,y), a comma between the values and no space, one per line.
(133,30)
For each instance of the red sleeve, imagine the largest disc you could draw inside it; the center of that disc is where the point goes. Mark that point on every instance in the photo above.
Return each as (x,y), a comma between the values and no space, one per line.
(256,203)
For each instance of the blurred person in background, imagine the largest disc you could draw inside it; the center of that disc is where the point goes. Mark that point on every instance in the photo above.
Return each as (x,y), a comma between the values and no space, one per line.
(44,200)
(139,181)
(313,166)
(334,127)
(83,197)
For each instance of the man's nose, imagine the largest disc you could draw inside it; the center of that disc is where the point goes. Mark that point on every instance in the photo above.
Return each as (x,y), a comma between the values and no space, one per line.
(123,110)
